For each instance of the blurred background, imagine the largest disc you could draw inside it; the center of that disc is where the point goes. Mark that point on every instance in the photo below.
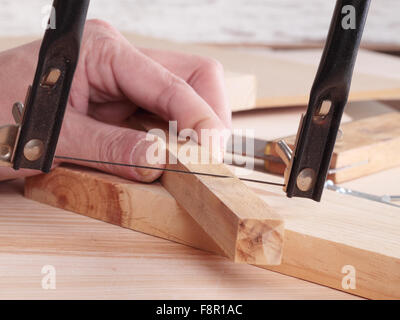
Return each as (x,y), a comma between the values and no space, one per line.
(278,23)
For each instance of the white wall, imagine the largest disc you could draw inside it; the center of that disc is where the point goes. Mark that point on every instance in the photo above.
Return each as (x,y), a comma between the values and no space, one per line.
(261,21)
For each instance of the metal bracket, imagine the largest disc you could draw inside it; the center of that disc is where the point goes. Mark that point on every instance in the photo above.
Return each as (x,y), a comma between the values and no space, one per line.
(8,139)
(308,168)
(386,199)
(31,143)
(9,134)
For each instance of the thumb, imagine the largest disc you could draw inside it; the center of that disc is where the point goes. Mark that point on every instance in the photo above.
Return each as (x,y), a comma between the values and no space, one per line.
(86,138)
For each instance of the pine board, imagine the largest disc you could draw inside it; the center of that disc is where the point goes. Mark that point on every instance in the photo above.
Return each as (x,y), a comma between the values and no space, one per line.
(97,260)
(319,240)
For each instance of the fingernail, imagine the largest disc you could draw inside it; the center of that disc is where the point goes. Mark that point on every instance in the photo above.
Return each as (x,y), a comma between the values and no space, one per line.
(142,155)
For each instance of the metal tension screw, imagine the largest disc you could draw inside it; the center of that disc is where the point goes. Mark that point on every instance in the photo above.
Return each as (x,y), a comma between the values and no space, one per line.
(17,112)
(5,152)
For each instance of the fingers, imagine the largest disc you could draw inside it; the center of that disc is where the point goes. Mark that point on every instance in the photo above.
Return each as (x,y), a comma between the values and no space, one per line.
(204,75)
(160,91)
(86,138)
(17,71)
(10,174)
(163,93)
(112,112)
(115,67)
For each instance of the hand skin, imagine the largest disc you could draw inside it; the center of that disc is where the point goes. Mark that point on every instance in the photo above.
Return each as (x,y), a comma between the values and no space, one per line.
(111,80)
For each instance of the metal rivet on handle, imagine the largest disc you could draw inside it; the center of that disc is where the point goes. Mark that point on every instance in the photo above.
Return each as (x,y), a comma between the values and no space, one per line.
(33,150)
(305,179)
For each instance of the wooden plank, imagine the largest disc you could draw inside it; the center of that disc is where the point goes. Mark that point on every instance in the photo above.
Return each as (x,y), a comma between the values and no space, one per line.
(392,49)
(368,62)
(320,238)
(367,146)
(121,203)
(242,225)
(281,82)
(97,260)
(382,183)
(241,90)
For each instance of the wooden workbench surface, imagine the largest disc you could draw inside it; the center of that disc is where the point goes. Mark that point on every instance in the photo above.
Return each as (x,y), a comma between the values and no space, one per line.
(94,259)
(97,260)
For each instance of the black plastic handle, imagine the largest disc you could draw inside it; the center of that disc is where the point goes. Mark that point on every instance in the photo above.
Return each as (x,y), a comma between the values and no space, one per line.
(45,108)
(317,135)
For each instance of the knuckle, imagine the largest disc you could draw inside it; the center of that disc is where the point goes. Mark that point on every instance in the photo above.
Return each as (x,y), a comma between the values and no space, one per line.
(103,40)
(112,146)
(120,146)
(174,85)
(212,66)
(103,146)
(107,49)
(208,70)
(102,26)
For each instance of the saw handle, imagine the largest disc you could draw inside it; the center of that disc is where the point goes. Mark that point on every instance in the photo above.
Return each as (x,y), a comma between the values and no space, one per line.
(317,133)
(46,102)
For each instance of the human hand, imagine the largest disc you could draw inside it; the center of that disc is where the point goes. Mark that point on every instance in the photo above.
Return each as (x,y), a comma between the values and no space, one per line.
(112,79)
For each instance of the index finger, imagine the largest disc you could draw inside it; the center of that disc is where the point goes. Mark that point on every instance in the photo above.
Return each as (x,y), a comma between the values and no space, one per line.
(205,75)
(150,85)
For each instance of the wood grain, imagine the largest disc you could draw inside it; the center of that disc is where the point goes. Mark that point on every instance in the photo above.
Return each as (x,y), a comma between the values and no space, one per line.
(120,203)
(97,260)
(367,146)
(242,225)
(320,238)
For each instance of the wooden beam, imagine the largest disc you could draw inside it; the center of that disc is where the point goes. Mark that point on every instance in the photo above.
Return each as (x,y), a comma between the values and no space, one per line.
(241,90)
(243,229)
(241,224)
(320,238)
(367,146)
(147,208)
(97,260)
